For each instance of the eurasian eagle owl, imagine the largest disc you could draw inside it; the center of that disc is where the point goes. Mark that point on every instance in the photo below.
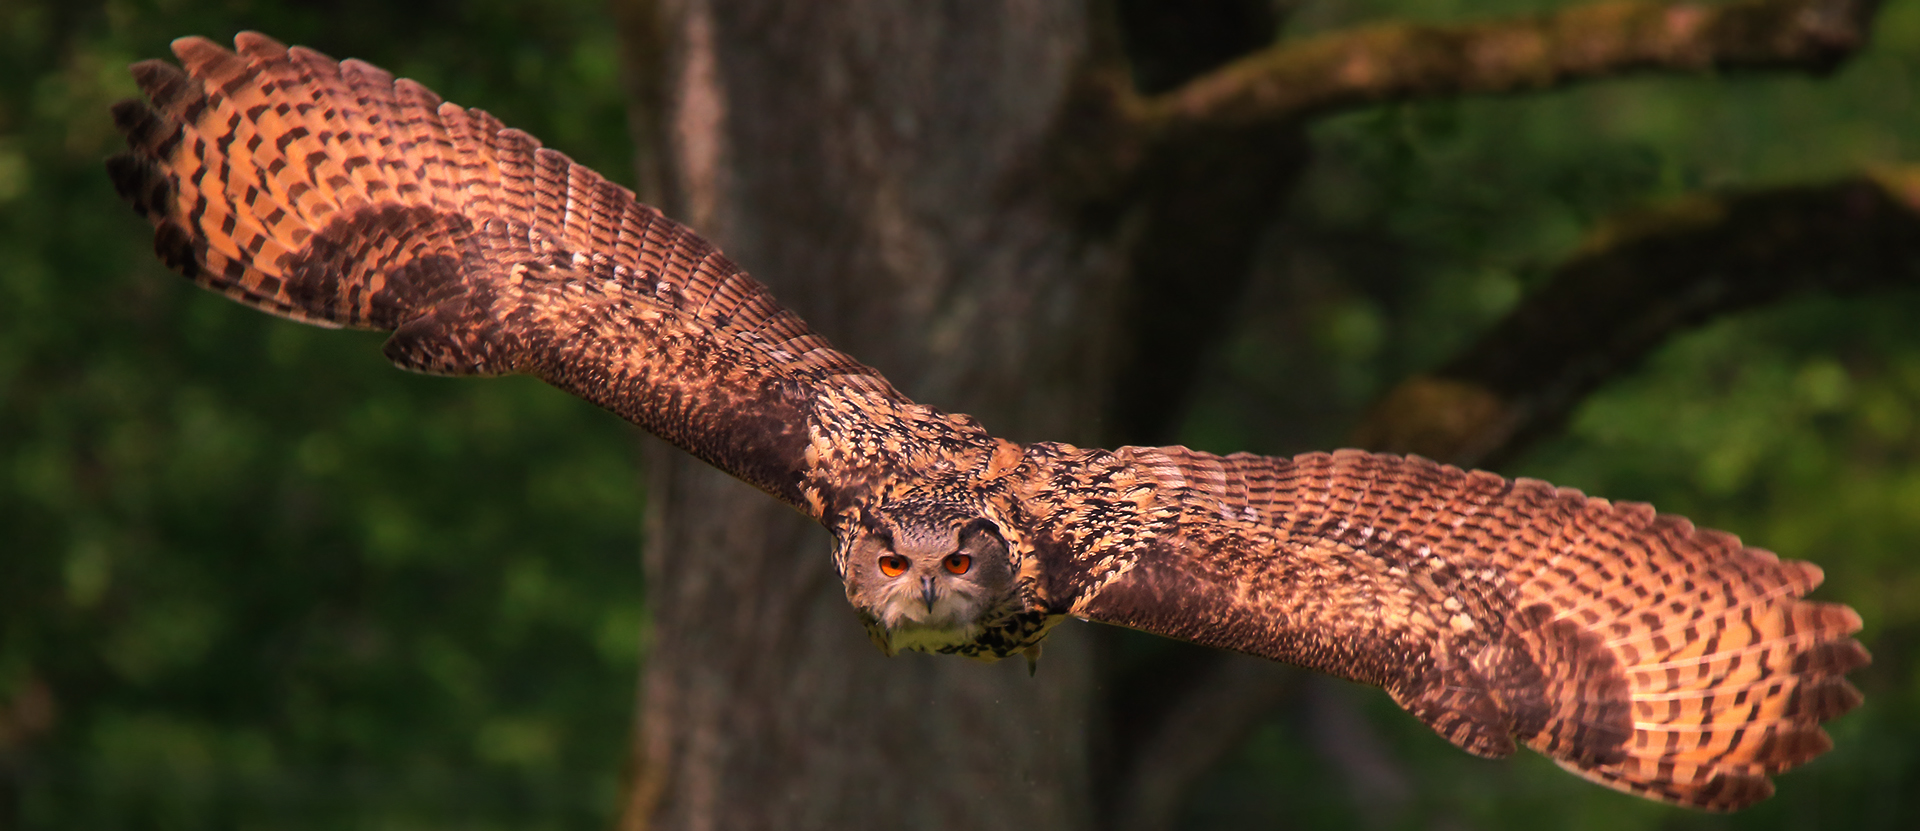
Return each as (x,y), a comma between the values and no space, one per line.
(1632,648)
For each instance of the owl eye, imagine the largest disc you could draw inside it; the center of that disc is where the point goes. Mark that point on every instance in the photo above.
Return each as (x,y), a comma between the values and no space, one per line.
(893,565)
(957,563)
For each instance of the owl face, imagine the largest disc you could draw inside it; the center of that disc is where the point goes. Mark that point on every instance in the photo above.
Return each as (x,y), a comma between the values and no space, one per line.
(927,576)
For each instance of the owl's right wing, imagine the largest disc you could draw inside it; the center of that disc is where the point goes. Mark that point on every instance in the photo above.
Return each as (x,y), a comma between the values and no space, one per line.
(331,193)
(1630,647)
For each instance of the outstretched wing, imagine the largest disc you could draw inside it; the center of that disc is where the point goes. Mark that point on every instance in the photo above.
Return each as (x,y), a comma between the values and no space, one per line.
(1632,648)
(334,194)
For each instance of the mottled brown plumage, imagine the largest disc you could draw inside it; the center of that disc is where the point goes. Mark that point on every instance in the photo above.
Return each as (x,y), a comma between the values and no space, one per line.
(1630,647)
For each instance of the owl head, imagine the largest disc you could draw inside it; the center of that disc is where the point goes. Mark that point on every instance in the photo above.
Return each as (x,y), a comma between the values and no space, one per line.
(926,573)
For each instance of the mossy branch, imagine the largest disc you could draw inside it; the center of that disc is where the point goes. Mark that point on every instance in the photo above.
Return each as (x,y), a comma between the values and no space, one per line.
(1638,281)
(1401,61)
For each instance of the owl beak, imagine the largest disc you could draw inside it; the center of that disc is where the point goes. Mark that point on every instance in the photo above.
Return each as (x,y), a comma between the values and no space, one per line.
(926,591)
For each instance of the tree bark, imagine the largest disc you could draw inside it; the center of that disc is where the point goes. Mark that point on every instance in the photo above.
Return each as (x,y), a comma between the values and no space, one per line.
(873,163)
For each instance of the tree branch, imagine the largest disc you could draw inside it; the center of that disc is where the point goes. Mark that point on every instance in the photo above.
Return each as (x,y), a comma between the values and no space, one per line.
(1640,280)
(1397,61)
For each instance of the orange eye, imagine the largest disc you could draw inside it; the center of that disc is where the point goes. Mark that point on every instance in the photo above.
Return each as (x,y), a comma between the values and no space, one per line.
(893,565)
(958,563)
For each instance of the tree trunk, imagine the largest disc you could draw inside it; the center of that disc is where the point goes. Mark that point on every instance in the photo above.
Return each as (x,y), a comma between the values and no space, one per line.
(907,223)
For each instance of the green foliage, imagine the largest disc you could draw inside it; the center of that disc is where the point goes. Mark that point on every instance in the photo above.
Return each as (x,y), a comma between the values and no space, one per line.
(236,587)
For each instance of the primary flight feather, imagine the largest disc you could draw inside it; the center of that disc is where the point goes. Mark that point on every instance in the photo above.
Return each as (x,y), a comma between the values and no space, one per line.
(1630,647)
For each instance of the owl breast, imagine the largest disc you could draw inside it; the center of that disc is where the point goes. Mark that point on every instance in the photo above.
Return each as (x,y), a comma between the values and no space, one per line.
(914,637)
(1010,634)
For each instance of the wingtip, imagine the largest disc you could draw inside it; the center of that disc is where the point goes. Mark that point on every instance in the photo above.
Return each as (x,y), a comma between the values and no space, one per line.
(256,45)
(313,59)
(366,72)
(1851,619)
(159,79)
(175,247)
(131,117)
(1813,574)
(194,49)
(1728,792)
(411,91)
(137,182)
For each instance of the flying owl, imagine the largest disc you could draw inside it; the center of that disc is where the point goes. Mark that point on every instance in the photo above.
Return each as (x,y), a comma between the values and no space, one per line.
(1632,648)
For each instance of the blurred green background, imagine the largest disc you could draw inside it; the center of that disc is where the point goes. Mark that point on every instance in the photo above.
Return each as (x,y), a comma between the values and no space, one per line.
(261,578)
(252,577)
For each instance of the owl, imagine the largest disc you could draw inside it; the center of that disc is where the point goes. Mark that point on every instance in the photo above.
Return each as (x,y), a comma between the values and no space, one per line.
(1631,647)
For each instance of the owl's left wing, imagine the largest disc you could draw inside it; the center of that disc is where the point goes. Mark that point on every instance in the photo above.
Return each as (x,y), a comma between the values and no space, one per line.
(1630,647)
